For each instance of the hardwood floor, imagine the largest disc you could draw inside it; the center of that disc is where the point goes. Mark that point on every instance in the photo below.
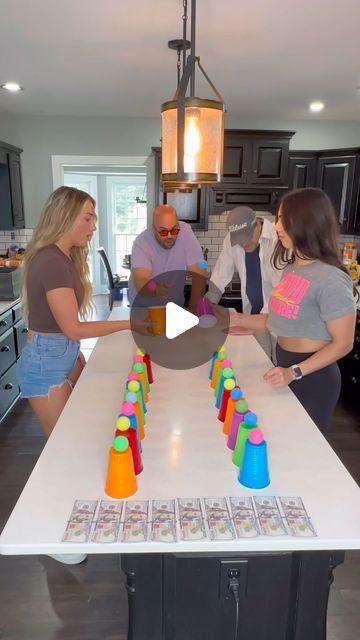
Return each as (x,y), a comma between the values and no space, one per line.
(41,599)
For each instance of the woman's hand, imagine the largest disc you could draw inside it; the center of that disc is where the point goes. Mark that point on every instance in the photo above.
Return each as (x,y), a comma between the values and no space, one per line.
(238,331)
(144,327)
(220,313)
(279,376)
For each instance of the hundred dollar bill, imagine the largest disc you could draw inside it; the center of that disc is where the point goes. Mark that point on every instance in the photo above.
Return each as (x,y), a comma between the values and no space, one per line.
(189,508)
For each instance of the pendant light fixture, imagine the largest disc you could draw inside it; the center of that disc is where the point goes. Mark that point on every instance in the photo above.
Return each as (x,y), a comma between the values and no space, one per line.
(192,128)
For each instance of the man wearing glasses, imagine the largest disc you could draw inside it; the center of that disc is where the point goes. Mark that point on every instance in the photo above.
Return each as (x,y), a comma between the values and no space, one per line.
(167,249)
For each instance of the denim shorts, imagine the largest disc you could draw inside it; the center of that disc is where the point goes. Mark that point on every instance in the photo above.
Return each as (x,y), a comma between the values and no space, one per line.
(46,361)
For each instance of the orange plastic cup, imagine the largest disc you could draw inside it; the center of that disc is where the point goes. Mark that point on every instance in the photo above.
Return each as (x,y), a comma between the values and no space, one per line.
(158,315)
(228,416)
(215,373)
(139,420)
(121,480)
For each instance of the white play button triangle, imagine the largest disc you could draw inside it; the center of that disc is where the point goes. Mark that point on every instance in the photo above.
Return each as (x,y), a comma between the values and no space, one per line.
(178,320)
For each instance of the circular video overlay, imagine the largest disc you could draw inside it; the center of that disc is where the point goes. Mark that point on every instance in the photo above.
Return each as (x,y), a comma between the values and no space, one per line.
(181,337)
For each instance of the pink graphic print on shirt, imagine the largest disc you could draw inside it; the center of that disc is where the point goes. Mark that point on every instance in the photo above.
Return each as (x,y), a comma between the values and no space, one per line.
(286,297)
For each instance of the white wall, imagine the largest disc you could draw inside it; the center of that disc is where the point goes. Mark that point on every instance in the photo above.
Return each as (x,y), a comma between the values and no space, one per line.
(44,136)
(41,137)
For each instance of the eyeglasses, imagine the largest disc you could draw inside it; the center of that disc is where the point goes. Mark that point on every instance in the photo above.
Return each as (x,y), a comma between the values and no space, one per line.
(165,232)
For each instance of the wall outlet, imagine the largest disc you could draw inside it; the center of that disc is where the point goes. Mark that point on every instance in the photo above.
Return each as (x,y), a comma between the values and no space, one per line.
(12,235)
(230,569)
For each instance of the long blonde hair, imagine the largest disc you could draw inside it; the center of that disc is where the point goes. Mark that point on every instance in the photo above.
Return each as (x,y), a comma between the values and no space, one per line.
(57,217)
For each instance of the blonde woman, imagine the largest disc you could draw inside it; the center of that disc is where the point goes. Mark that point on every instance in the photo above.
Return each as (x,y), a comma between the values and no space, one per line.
(56,300)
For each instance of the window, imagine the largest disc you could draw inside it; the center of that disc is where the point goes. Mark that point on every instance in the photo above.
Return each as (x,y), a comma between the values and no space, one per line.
(127,208)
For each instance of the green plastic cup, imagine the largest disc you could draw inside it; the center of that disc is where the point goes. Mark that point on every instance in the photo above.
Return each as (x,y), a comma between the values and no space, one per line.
(242,436)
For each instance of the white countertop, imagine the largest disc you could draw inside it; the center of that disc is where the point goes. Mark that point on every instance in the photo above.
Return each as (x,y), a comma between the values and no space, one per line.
(7,304)
(184,455)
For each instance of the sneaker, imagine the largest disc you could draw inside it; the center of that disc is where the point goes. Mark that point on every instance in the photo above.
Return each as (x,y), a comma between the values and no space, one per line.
(70,558)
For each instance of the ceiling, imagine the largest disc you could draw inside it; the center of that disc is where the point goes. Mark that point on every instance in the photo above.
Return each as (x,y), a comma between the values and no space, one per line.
(110,57)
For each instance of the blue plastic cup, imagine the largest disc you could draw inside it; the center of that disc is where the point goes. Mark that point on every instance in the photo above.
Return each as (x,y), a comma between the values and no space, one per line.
(254,472)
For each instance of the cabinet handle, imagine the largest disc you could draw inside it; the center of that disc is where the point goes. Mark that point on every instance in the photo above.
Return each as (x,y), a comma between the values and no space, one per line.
(3,323)
(356,356)
(255,170)
(353,379)
(24,330)
(5,348)
(9,386)
(245,171)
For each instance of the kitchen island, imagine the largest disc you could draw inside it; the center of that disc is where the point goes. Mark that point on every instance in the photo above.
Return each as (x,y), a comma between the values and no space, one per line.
(174,588)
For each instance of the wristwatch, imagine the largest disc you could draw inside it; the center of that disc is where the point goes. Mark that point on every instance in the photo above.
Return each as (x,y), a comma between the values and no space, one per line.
(297,373)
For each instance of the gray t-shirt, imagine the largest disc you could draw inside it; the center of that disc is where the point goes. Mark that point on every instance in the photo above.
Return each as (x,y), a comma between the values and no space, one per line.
(308,296)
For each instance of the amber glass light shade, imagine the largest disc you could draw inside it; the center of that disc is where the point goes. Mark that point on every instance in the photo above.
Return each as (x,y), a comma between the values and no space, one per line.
(203,143)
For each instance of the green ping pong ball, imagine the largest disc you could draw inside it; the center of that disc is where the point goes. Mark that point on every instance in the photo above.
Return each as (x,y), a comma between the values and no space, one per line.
(229,384)
(228,372)
(120,443)
(122,423)
(133,386)
(222,355)
(241,406)
(138,367)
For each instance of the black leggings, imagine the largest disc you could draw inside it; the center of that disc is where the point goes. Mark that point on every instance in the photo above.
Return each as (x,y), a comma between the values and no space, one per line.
(318,392)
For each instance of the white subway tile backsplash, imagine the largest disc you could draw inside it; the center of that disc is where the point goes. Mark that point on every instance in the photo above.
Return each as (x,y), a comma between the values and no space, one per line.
(19,237)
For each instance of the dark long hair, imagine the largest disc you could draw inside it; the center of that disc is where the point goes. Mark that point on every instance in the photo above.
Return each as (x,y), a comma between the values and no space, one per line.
(309,219)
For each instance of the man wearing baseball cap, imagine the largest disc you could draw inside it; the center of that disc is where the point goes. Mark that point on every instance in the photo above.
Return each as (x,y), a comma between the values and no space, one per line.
(247,249)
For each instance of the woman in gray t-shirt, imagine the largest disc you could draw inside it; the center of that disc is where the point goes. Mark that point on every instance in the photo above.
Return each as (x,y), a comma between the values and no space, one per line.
(312,309)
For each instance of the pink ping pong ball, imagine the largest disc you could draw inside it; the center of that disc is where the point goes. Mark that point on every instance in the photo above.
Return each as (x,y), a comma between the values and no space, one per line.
(256,436)
(138,359)
(133,376)
(226,363)
(127,408)
(151,286)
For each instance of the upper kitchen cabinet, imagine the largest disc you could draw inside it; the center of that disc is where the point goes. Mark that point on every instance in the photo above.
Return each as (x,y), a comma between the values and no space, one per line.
(354,226)
(336,176)
(256,158)
(190,207)
(302,169)
(11,196)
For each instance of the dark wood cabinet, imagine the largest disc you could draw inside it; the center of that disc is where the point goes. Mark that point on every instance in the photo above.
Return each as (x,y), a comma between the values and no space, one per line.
(335,176)
(350,371)
(12,341)
(224,196)
(255,157)
(11,195)
(302,169)
(190,207)
(354,225)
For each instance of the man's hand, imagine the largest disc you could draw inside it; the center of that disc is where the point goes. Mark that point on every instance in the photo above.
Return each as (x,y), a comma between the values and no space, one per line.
(279,377)
(162,289)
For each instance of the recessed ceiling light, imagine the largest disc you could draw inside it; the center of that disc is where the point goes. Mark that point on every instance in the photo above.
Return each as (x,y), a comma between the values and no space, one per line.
(317,106)
(12,86)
